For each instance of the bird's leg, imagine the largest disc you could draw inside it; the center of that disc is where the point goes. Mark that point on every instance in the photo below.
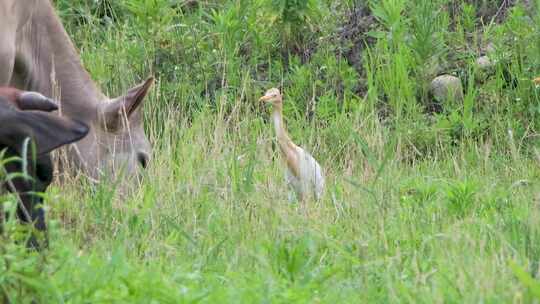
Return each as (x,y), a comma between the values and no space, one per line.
(302,204)
(292,197)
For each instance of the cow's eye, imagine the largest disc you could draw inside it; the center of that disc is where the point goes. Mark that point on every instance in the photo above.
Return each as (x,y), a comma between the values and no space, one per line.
(142,158)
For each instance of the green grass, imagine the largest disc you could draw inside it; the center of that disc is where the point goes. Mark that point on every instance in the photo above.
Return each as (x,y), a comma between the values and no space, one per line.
(420,207)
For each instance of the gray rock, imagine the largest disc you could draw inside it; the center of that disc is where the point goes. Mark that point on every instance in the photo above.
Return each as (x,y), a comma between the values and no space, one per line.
(447,87)
(490,48)
(484,63)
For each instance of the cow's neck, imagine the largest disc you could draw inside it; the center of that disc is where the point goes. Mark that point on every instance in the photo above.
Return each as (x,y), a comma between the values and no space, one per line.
(50,64)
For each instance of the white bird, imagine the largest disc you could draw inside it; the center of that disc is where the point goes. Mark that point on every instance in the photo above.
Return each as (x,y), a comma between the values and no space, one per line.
(304,174)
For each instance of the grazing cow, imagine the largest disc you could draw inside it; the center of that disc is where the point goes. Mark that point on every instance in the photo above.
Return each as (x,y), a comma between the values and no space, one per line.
(46,132)
(36,54)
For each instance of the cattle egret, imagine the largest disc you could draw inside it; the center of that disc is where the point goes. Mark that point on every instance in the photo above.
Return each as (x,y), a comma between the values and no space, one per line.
(304,174)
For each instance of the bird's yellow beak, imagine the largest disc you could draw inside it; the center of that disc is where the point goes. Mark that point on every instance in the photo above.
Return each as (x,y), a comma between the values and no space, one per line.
(265,98)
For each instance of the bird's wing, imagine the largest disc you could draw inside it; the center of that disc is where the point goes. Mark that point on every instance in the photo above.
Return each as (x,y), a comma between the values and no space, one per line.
(312,173)
(319,181)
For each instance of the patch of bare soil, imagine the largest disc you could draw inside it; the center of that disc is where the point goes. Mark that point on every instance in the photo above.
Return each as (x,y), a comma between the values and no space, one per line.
(487,10)
(353,35)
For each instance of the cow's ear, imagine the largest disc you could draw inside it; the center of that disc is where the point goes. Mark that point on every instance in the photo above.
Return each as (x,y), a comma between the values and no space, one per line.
(48,131)
(128,105)
(35,101)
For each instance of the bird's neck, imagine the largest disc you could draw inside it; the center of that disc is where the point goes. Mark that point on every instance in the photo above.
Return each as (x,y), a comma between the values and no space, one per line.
(279,126)
(287,147)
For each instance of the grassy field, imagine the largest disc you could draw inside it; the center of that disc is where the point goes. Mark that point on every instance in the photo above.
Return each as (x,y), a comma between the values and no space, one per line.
(426,201)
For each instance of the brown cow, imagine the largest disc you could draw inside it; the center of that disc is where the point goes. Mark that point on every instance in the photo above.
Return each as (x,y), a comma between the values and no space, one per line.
(47,132)
(36,54)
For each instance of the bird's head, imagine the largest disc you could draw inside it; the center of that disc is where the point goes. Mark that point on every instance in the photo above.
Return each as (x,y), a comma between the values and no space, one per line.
(536,81)
(273,97)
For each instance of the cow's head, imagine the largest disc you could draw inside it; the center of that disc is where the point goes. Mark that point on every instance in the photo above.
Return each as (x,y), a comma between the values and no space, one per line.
(32,134)
(117,144)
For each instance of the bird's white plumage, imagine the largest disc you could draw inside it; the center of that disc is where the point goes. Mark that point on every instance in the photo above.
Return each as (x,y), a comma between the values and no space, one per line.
(310,183)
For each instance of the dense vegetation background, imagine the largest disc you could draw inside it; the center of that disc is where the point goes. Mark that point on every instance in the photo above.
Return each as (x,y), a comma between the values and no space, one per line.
(427,200)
